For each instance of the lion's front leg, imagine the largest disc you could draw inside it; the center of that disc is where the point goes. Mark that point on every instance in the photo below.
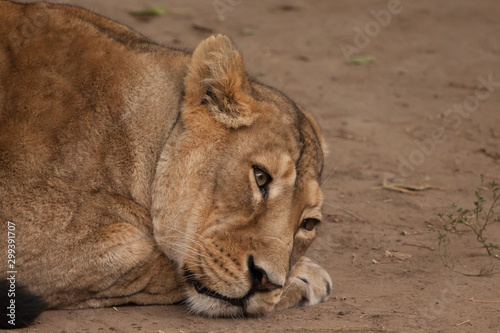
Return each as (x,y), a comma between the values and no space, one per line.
(154,283)
(308,284)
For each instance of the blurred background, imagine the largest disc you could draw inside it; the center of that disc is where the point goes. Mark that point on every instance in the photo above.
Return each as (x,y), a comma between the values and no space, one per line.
(407,94)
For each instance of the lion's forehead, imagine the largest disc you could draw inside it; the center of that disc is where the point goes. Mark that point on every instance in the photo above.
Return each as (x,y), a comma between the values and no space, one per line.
(297,131)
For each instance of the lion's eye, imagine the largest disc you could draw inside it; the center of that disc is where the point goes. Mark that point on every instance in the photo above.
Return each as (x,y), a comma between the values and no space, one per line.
(262,179)
(309,224)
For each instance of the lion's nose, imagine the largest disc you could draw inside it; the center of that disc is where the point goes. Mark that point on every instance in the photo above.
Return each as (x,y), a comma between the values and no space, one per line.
(259,278)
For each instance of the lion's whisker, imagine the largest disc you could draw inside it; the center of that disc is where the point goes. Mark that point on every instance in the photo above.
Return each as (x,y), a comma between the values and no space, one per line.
(331,173)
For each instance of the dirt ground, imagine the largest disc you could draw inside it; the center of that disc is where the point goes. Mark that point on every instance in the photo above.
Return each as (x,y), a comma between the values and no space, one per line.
(422,113)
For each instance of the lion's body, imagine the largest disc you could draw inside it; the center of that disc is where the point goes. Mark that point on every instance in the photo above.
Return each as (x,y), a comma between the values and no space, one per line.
(105,163)
(79,145)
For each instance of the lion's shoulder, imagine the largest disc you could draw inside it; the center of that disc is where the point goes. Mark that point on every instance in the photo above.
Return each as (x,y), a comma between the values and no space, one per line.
(73,84)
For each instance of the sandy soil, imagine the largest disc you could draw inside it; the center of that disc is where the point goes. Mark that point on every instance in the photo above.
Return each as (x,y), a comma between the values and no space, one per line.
(430,57)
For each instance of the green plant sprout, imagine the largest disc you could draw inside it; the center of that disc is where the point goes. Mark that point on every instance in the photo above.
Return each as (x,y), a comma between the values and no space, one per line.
(477,220)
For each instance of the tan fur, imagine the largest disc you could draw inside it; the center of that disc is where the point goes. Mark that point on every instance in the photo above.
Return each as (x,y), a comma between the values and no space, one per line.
(126,165)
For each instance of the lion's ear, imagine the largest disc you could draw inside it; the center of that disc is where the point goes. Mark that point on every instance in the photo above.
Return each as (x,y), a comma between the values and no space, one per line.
(216,78)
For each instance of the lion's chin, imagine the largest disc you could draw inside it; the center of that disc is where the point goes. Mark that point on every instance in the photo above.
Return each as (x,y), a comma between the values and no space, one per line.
(207,305)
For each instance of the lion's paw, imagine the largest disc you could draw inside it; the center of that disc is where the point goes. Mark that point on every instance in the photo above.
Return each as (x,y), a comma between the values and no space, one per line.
(308,284)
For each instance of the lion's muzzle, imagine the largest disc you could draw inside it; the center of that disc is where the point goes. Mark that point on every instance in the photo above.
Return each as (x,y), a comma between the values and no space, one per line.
(257,275)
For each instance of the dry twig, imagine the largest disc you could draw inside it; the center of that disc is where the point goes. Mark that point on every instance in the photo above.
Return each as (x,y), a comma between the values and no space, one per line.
(403,188)
(464,322)
(489,302)
(418,245)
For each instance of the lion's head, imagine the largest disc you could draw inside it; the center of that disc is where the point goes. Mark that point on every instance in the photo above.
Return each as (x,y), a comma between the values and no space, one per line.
(236,198)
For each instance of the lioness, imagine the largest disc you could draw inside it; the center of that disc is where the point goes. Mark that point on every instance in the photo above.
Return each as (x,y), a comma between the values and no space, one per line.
(135,173)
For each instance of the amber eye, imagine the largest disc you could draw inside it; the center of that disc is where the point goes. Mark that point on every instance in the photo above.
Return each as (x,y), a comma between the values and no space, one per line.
(262,179)
(309,224)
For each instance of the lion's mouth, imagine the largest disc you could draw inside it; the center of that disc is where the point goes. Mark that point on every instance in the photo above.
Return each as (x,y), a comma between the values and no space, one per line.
(201,289)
